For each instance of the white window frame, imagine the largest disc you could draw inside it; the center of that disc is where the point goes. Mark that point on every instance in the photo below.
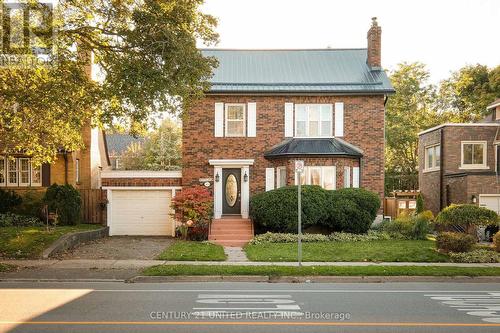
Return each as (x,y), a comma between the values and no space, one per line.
(434,166)
(77,171)
(307,106)
(347,177)
(20,171)
(474,166)
(3,172)
(307,175)
(279,171)
(244,120)
(37,184)
(9,183)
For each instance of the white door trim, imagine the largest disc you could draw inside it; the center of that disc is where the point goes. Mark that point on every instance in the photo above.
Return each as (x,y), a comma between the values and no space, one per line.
(231,163)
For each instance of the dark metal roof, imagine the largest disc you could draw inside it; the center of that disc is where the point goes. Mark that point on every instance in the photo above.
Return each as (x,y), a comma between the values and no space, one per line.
(118,143)
(319,70)
(309,146)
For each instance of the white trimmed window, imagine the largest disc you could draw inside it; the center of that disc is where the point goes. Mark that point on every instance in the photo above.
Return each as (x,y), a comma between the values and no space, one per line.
(2,171)
(12,172)
(432,158)
(313,120)
(347,176)
(324,176)
(474,155)
(36,175)
(24,172)
(280,177)
(235,120)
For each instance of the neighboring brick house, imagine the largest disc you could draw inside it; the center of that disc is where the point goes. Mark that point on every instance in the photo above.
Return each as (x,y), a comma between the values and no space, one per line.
(459,163)
(268,108)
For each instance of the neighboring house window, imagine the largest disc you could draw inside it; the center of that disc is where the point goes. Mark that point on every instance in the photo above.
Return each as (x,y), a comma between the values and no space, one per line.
(432,157)
(313,120)
(323,176)
(117,163)
(77,171)
(281,177)
(473,154)
(19,172)
(235,120)
(347,176)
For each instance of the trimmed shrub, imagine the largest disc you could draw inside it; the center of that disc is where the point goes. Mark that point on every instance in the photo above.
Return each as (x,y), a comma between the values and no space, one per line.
(420,204)
(15,220)
(352,210)
(32,204)
(193,209)
(9,200)
(276,210)
(480,256)
(496,241)
(466,215)
(455,242)
(66,202)
(421,227)
(270,237)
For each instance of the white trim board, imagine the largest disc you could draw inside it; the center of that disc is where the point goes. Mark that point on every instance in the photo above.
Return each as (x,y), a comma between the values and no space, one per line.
(141,188)
(235,163)
(141,174)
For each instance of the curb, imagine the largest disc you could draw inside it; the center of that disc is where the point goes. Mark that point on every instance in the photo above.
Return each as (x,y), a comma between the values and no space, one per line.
(60,280)
(74,239)
(311,279)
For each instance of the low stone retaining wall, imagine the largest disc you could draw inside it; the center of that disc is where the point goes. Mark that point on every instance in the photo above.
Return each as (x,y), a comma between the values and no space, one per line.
(74,239)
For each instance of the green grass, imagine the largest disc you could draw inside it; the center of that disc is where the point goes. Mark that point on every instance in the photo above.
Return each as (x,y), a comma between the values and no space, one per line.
(193,251)
(177,270)
(381,250)
(29,242)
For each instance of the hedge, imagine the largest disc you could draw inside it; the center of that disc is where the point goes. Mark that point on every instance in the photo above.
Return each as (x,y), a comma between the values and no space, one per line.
(455,242)
(466,215)
(66,202)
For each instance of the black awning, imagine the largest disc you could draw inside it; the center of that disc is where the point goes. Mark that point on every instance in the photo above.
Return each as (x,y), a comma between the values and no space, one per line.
(317,147)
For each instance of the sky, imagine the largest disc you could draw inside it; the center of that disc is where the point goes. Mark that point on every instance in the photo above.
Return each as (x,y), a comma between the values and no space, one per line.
(443,34)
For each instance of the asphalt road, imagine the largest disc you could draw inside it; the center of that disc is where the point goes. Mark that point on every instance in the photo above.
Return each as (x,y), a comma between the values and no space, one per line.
(249,307)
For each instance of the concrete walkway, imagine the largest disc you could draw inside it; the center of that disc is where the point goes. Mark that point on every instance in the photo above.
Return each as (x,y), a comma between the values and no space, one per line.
(235,254)
(139,264)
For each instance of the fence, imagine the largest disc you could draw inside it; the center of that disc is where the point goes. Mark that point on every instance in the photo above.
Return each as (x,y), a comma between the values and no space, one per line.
(93,208)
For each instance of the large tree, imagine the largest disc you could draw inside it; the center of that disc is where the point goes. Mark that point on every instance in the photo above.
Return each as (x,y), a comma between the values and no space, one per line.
(148,62)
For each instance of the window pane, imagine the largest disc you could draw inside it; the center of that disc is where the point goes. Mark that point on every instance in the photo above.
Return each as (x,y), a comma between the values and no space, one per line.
(347,176)
(329,178)
(437,154)
(24,171)
(313,128)
(326,113)
(326,128)
(235,112)
(302,179)
(467,153)
(235,128)
(477,154)
(36,175)
(300,112)
(301,128)
(314,112)
(12,166)
(282,179)
(315,176)
(430,157)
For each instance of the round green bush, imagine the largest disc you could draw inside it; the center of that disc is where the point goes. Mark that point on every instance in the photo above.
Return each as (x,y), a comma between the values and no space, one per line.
(455,242)
(66,202)
(466,215)
(276,210)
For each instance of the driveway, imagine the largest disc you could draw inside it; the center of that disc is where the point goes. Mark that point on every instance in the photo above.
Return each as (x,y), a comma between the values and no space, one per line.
(120,247)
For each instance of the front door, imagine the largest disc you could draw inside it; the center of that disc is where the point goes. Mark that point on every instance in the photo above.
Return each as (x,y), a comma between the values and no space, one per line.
(231,191)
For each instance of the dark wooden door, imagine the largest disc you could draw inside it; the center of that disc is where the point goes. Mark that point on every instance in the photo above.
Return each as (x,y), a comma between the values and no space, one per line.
(231,191)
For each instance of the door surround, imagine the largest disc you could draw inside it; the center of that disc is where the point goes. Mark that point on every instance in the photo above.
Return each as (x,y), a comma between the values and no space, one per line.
(244,166)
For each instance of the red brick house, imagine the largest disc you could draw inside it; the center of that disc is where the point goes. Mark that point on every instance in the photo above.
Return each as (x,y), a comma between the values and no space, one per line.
(268,108)
(459,163)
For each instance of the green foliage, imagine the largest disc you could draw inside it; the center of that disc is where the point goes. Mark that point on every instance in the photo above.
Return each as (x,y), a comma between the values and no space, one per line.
(276,210)
(496,241)
(352,209)
(466,215)
(65,201)
(479,256)
(9,200)
(270,237)
(455,242)
(420,204)
(193,208)
(408,227)
(15,220)
(32,204)
(148,59)
(160,151)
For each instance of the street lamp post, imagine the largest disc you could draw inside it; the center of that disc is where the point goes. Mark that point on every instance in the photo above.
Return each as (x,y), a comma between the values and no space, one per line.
(299,168)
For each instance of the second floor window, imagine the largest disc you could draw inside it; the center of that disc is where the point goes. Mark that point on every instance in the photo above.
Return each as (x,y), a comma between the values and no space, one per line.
(432,157)
(313,120)
(235,119)
(473,154)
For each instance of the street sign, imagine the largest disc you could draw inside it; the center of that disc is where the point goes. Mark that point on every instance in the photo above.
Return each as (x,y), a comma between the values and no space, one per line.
(299,166)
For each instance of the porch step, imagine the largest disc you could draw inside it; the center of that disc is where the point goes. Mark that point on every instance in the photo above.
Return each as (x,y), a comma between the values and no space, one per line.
(229,231)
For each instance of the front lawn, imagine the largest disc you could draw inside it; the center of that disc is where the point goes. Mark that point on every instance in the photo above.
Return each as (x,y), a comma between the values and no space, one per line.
(193,251)
(379,250)
(177,270)
(29,242)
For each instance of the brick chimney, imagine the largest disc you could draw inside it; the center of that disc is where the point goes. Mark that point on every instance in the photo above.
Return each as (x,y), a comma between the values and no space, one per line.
(374,37)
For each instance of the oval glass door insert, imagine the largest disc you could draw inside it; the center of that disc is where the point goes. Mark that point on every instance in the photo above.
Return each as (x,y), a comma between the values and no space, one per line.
(231,190)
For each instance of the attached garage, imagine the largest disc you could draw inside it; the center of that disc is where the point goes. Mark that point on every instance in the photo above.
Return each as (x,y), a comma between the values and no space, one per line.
(490,201)
(139,203)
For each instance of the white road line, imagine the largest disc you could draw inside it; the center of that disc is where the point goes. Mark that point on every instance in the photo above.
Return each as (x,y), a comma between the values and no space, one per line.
(438,292)
(486,306)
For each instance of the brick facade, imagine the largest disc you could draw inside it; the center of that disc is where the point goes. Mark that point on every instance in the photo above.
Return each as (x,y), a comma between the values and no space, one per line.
(141,181)
(363,127)
(451,183)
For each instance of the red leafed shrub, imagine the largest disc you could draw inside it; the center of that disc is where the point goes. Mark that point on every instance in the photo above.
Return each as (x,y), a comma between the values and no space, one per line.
(193,204)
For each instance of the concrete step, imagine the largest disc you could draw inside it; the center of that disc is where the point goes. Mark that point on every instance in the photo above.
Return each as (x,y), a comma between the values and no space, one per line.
(230,242)
(223,228)
(246,237)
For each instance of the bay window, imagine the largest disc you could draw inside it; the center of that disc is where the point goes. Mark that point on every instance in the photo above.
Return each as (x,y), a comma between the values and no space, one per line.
(313,120)
(474,155)
(280,177)
(323,176)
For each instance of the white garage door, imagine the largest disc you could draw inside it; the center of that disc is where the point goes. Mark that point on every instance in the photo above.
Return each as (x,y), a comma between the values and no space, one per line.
(141,212)
(490,201)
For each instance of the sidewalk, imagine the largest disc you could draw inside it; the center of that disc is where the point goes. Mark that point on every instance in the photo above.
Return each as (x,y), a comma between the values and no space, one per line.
(140,264)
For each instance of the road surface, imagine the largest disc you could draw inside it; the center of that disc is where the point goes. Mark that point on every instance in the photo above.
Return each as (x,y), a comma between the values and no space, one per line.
(249,307)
